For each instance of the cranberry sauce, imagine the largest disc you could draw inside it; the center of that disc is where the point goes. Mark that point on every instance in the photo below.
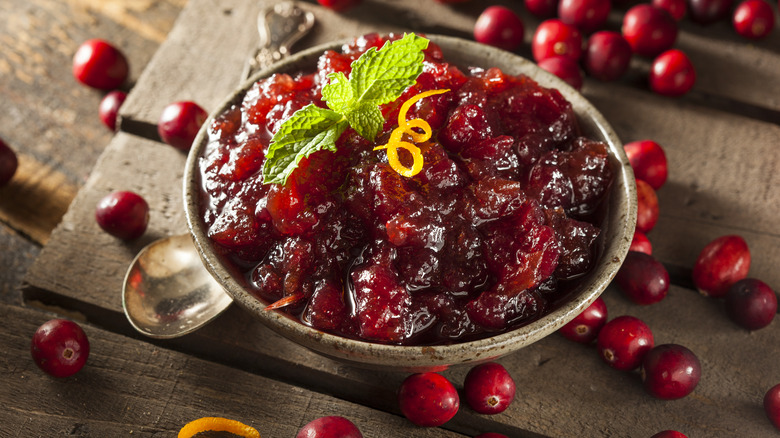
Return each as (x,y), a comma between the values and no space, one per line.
(482,240)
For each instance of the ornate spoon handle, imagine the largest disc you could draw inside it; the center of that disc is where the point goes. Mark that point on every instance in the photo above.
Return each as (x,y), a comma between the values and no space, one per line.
(280,27)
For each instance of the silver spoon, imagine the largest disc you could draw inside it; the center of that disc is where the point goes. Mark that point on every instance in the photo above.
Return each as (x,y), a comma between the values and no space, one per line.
(167,292)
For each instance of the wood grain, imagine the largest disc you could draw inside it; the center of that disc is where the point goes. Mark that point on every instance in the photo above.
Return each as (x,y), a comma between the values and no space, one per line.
(131,388)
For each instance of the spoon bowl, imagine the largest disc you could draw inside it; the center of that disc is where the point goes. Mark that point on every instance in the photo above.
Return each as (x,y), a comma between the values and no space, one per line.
(167,292)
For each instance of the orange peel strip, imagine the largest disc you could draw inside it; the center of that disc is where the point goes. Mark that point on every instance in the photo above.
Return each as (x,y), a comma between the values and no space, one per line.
(217,424)
(408,127)
(286,301)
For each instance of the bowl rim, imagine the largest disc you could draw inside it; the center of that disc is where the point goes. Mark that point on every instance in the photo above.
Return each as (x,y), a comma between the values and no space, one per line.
(619,226)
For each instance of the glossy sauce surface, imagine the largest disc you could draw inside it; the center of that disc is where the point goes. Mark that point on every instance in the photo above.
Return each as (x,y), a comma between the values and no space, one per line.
(493,231)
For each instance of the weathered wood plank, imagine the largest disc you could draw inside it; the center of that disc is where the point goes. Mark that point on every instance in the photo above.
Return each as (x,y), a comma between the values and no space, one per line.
(15,258)
(131,387)
(722,174)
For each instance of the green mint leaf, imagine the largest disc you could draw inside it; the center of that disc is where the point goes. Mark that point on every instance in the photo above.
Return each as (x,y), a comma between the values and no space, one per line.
(366,119)
(337,93)
(377,77)
(308,130)
(381,76)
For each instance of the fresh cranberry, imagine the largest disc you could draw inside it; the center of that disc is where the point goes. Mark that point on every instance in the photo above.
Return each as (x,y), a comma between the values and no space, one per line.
(772,405)
(542,8)
(8,163)
(607,55)
(672,73)
(709,11)
(489,388)
(649,30)
(553,37)
(109,108)
(564,68)
(669,434)
(60,347)
(641,243)
(585,327)
(754,19)
(624,341)
(675,8)
(98,64)
(670,371)
(751,303)
(587,15)
(647,210)
(428,399)
(339,5)
(499,27)
(648,160)
(721,263)
(329,427)
(123,214)
(642,278)
(179,124)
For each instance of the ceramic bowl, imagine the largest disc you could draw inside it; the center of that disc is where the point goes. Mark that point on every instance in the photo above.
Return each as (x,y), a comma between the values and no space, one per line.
(617,231)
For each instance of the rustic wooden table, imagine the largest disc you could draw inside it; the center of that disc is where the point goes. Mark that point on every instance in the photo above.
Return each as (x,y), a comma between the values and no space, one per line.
(721,140)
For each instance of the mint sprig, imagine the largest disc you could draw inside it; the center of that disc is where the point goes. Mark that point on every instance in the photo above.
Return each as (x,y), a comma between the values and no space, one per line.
(377,77)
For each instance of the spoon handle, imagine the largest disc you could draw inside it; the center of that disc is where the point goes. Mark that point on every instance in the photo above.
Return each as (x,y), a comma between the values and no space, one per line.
(280,27)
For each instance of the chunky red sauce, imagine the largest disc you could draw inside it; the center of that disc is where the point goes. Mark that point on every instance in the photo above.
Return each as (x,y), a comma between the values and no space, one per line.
(487,237)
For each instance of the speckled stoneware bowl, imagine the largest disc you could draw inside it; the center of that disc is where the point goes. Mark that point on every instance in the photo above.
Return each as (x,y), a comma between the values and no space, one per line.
(617,231)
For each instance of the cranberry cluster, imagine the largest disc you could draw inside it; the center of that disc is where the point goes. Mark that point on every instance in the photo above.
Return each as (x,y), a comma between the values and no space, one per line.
(648,30)
(430,399)
(486,237)
(100,65)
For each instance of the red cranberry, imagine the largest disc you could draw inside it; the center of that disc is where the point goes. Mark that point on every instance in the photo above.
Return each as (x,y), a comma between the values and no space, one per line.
(649,30)
(709,11)
(751,303)
(754,19)
(607,55)
(428,399)
(339,5)
(642,278)
(109,108)
(60,347)
(624,341)
(641,243)
(648,160)
(553,37)
(585,327)
(565,68)
(669,434)
(670,371)
(100,65)
(8,163)
(499,27)
(721,263)
(587,15)
(672,73)
(772,405)
(488,388)
(329,427)
(123,214)
(675,8)
(180,122)
(542,8)
(646,208)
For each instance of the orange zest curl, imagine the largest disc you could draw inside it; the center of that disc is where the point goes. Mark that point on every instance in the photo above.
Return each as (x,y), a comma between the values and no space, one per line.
(408,127)
(217,424)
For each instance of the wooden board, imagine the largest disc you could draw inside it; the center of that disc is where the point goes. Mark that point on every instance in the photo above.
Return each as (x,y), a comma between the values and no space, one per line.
(131,388)
(564,389)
